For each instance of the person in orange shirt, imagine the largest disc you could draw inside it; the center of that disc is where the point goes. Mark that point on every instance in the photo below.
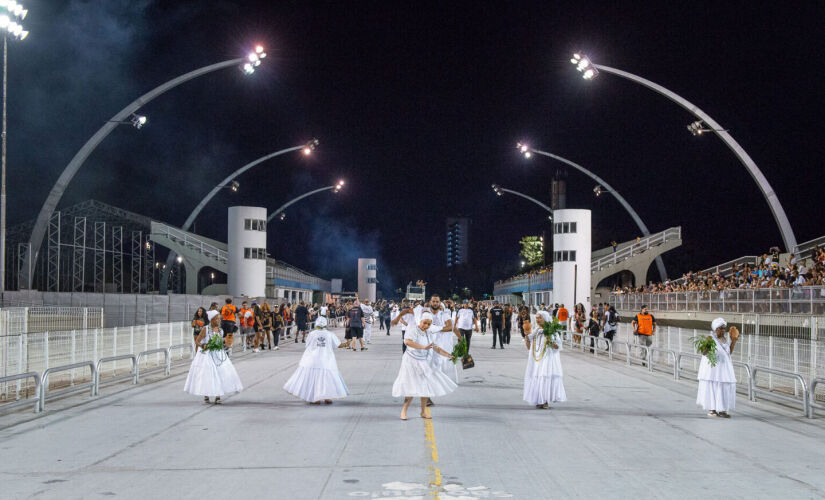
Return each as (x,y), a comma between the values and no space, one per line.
(228,323)
(563,314)
(644,327)
(247,323)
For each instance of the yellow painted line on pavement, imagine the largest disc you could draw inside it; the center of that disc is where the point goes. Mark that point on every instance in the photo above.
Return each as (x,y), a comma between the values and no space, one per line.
(435,472)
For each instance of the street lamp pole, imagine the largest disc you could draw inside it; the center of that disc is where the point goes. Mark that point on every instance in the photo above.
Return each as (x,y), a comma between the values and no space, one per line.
(247,65)
(280,210)
(590,70)
(498,190)
(7,12)
(306,149)
(524,149)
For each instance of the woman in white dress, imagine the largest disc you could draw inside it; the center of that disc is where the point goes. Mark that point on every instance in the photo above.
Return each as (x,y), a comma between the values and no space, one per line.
(543,377)
(317,377)
(717,384)
(418,376)
(211,374)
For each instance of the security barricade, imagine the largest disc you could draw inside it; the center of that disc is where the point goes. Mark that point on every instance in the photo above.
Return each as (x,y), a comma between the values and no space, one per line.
(131,375)
(671,352)
(45,382)
(812,403)
(790,399)
(628,356)
(165,367)
(183,347)
(21,402)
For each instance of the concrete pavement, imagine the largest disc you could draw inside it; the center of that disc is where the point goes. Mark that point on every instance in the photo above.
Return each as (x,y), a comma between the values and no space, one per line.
(623,433)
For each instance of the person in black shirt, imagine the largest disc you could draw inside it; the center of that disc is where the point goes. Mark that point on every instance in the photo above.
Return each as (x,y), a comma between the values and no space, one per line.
(301,319)
(355,323)
(496,316)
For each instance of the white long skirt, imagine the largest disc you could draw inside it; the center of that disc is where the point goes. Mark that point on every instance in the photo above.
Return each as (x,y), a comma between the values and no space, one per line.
(540,390)
(418,378)
(315,384)
(208,378)
(716,396)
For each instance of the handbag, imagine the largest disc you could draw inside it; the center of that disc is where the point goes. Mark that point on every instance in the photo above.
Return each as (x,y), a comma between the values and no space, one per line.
(467,362)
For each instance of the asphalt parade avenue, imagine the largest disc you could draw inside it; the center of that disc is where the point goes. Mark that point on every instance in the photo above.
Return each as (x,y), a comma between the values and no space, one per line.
(623,433)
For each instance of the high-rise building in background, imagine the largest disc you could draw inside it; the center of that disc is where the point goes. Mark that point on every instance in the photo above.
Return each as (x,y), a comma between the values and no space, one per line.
(458,234)
(458,249)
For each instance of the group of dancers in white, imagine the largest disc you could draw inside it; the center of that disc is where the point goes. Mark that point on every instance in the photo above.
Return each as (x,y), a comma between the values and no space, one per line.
(428,369)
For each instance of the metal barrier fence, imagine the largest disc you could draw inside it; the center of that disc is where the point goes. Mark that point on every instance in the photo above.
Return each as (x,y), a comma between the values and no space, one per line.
(37,352)
(14,320)
(797,300)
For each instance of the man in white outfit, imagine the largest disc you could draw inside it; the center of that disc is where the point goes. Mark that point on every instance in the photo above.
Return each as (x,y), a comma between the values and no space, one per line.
(368,319)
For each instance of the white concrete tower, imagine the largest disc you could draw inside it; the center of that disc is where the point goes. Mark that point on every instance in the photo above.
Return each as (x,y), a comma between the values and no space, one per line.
(247,251)
(367,278)
(571,258)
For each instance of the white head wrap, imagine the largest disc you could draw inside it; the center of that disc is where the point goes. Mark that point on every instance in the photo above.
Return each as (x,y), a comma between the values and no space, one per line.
(211,314)
(717,323)
(426,315)
(320,322)
(546,316)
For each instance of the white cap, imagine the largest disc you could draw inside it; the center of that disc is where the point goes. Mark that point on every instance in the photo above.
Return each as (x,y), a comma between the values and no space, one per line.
(717,323)
(211,314)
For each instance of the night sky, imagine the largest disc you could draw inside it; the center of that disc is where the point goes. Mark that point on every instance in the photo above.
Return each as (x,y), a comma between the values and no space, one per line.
(419,107)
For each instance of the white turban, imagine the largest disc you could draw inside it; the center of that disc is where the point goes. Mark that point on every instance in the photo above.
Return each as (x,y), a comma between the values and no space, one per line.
(426,315)
(320,322)
(211,314)
(717,323)
(546,316)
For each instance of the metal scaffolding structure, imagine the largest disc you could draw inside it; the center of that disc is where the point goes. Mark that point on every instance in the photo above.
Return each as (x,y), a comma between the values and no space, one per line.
(100,257)
(77,259)
(117,259)
(79,255)
(137,252)
(53,280)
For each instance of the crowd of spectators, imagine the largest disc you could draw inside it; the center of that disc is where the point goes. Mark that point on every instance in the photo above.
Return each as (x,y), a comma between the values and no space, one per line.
(766,272)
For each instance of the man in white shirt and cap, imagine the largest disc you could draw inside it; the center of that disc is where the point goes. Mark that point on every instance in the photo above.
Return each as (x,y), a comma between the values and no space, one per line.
(443,335)
(368,319)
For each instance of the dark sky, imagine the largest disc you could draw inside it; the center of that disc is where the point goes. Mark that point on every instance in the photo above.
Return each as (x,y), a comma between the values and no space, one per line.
(419,107)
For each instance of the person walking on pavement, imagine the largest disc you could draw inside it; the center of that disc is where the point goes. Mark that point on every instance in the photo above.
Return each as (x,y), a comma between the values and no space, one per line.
(301,320)
(496,317)
(610,322)
(466,322)
(644,328)
(508,323)
(355,323)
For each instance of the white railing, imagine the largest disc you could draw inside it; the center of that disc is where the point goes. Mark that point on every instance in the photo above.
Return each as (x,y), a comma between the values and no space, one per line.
(805,250)
(797,348)
(531,282)
(14,320)
(797,300)
(37,352)
(725,268)
(644,244)
(281,270)
(190,241)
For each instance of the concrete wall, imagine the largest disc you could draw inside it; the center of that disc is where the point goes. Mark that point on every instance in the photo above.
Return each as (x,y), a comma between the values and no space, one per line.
(571,277)
(247,267)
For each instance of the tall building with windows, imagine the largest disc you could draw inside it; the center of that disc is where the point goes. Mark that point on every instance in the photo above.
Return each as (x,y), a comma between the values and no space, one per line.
(458,246)
(367,279)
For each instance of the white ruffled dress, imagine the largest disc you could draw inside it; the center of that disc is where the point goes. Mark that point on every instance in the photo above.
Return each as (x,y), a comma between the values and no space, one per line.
(717,384)
(212,373)
(419,375)
(446,341)
(317,376)
(543,379)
